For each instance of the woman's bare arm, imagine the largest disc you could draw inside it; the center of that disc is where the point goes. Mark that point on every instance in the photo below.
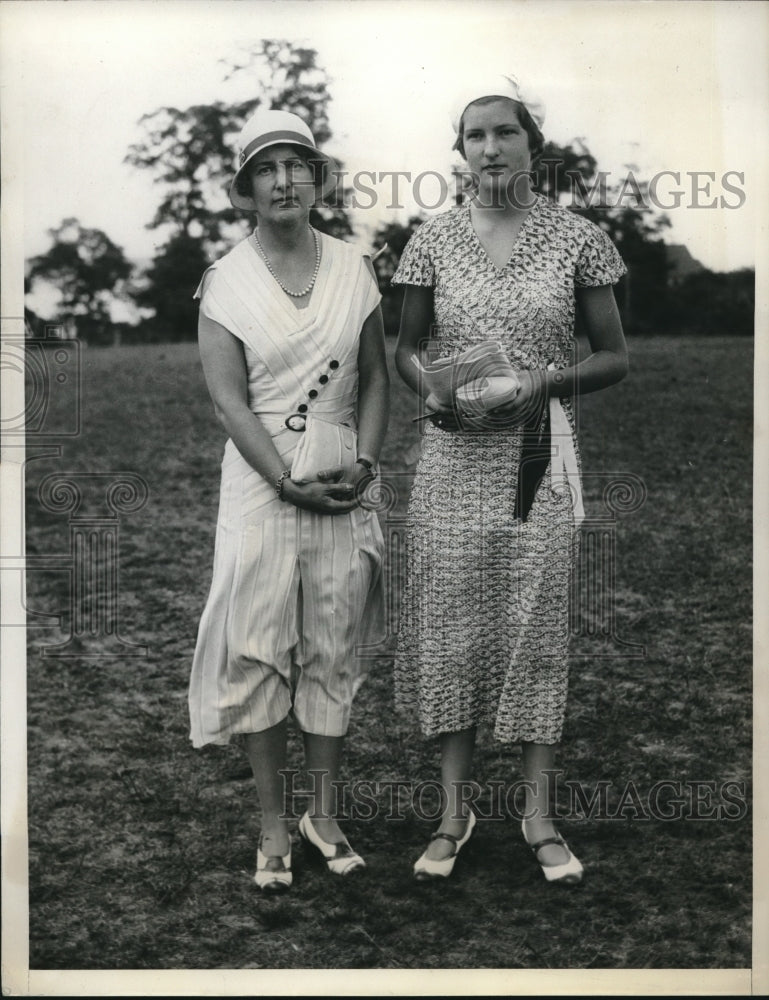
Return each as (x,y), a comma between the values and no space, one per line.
(416,319)
(373,388)
(224,367)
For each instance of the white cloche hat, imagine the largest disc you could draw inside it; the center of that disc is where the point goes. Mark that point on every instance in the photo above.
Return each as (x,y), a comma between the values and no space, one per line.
(271,128)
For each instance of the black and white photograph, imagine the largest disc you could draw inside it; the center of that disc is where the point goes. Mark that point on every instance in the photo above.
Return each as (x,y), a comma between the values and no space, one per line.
(384,494)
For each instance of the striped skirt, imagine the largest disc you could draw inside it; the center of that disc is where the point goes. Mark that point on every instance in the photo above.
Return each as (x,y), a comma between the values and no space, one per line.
(293,595)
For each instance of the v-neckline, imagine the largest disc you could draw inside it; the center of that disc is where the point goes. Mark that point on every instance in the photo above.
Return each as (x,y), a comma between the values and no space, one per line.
(298,311)
(516,243)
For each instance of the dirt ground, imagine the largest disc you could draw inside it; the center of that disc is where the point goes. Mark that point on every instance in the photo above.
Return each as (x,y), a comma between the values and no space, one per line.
(142,849)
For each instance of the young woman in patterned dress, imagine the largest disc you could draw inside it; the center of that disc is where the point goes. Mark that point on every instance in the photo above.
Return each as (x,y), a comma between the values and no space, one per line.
(289,324)
(491,540)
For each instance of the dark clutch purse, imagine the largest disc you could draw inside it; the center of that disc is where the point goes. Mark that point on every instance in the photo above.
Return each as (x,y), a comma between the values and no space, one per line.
(535,459)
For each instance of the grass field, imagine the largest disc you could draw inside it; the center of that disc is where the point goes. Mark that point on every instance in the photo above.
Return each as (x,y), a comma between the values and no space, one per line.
(142,849)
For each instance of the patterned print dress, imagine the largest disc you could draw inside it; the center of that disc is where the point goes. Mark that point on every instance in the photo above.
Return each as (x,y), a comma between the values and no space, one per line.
(484,622)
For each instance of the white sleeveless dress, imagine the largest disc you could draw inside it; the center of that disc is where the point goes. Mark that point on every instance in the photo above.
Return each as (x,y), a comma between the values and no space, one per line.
(293,592)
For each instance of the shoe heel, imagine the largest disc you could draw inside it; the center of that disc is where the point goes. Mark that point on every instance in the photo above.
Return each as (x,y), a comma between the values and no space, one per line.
(340,859)
(273,872)
(570,872)
(425,868)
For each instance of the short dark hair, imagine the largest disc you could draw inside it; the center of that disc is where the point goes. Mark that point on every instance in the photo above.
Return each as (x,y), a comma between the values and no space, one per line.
(243,182)
(530,127)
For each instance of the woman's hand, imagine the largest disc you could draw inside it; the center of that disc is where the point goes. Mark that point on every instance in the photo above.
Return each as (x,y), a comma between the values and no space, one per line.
(361,479)
(327,496)
(529,400)
(355,485)
(439,415)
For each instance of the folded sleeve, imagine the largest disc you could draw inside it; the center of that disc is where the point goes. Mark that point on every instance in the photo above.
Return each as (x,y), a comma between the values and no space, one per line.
(598,262)
(207,278)
(371,294)
(416,266)
(216,299)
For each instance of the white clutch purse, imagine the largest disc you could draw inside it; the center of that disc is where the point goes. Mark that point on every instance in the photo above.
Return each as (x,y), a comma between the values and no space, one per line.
(479,378)
(324,445)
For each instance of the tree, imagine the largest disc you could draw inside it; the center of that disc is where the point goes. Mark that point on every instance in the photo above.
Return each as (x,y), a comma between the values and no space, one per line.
(169,284)
(191,153)
(714,303)
(569,174)
(393,237)
(637,231)
(89,270)
(564,169)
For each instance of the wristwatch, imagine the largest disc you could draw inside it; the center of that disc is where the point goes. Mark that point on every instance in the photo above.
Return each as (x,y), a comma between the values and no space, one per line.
(365,463)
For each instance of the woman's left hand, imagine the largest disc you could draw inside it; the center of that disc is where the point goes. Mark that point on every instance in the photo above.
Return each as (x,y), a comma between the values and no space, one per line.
(361,479)
(351,487)
(529,399)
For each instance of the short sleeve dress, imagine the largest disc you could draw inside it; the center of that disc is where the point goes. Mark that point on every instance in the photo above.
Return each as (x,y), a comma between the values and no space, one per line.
(484,620)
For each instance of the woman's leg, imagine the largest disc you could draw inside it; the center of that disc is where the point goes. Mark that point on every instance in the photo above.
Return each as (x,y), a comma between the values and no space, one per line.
(267,753)
(323,759)
(456,768)
(538,758)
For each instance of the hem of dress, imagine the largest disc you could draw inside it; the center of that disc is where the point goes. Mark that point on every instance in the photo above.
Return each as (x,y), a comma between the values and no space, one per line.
(230,738)
(554,736)
(199,744)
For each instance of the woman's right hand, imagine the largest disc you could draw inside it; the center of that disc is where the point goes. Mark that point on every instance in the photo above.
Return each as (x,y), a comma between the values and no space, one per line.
(329,497)
(440,415)
(452,419)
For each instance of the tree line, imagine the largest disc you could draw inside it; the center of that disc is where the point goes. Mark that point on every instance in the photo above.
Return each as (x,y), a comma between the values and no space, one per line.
(189,154)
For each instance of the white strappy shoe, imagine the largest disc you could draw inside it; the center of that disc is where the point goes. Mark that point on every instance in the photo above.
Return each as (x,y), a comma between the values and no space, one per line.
(340,858)
(568,872)
(273,872)
(425,868)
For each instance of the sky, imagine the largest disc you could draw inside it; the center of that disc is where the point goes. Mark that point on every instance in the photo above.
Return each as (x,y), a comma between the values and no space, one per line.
(662,86)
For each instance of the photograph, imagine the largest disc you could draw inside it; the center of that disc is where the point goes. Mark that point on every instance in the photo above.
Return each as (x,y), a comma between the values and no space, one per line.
(384,493)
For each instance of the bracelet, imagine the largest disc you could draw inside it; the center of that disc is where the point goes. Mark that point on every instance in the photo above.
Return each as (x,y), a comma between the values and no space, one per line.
(280,481)
(365,463)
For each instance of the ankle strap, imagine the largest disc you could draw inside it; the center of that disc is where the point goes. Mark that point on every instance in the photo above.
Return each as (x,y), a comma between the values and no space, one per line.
(446,836)
(557,839)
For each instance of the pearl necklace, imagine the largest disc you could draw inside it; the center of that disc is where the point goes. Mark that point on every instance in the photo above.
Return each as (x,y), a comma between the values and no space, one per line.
(309,288)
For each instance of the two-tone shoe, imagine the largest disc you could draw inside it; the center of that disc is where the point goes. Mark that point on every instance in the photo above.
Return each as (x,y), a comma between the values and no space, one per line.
(426,868)
(340,858)
(273,872)
(568,872)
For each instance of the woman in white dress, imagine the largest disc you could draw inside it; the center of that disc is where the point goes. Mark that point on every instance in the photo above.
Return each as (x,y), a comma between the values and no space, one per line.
(290,325)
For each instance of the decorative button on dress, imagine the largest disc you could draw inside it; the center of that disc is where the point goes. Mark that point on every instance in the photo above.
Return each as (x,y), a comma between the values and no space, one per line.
(293,592)
(484,621)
